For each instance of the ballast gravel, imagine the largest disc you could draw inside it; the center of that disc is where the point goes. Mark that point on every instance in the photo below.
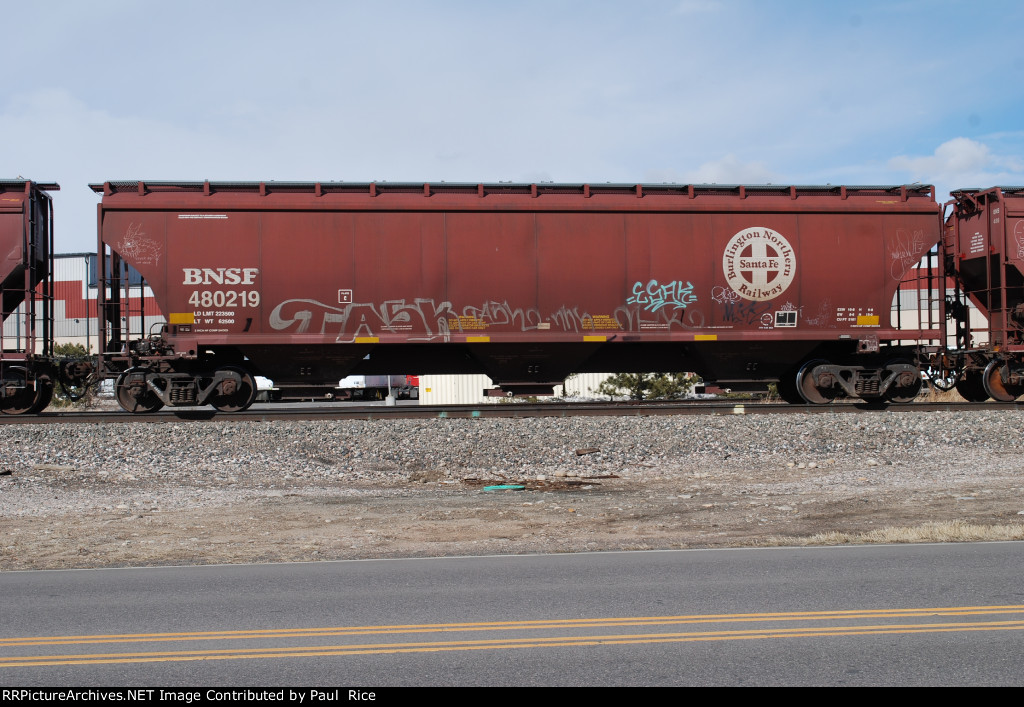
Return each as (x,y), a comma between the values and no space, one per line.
(115,494)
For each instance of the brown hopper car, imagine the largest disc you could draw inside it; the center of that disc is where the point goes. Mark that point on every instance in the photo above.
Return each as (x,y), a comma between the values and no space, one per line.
(308,282)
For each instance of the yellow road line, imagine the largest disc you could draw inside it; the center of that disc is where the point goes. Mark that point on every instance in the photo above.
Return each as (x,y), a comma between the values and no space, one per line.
(538,624)
(500,644)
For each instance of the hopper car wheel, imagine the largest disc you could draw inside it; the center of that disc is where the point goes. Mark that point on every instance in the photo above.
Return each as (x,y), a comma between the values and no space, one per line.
(241,398)
(809,388)
(903,393)
(44,394)
(994,386)
(25,400)
(130,402)
(788,390)
(971,388)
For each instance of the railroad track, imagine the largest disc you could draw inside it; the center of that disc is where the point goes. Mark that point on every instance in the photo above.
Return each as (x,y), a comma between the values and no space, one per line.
(342,411)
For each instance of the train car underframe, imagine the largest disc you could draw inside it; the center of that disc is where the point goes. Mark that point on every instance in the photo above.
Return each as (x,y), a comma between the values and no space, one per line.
(150,376)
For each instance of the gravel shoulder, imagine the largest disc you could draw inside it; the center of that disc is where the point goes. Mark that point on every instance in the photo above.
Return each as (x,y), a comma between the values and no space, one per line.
(105,495)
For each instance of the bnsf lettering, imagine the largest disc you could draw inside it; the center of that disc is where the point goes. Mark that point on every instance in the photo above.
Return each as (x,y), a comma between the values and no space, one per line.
(220,276)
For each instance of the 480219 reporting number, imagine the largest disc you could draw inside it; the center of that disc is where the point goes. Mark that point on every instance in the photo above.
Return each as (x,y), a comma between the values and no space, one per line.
(224,298)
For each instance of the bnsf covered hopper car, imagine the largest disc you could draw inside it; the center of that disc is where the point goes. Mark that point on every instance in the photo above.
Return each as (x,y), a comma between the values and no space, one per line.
(305,283)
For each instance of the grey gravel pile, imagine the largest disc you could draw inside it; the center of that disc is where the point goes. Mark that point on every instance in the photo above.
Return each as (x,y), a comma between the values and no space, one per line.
(274,453)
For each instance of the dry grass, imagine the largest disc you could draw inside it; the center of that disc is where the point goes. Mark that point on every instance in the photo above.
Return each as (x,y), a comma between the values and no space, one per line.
(933,395)
(956,531)
(928,395)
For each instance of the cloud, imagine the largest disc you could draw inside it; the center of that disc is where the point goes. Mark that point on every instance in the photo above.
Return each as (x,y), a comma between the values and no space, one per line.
(955,156)
(730,170)
(961,162)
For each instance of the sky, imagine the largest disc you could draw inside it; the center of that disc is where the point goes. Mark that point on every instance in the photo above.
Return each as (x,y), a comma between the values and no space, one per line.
(687,91)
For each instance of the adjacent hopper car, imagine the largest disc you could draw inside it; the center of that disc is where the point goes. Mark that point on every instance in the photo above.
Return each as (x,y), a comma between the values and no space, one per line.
(983,250)
(306,283)
(28,369)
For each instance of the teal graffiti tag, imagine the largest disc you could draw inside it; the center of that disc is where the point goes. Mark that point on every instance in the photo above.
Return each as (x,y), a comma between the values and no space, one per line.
(654,296)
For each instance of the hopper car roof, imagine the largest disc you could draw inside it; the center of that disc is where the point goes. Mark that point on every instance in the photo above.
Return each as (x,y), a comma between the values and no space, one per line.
(139,186)
(45,186)
(976,190)
(513,196)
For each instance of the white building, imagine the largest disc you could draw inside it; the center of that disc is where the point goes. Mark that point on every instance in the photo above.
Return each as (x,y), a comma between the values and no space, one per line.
(74,307)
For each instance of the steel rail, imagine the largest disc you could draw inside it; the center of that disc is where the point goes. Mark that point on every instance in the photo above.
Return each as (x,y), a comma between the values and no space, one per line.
(343,411)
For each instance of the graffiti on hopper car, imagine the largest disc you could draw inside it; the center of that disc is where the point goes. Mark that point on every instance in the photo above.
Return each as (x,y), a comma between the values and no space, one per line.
(905,251)
(429,320)
(139,248)
(309,316)
(724,295)
(653,296)
(746,312)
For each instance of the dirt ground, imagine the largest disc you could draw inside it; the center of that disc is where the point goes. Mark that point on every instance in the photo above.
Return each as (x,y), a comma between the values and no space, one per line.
(427,514)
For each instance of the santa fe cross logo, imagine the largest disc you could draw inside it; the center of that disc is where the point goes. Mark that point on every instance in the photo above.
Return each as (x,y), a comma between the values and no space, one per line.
(759,264)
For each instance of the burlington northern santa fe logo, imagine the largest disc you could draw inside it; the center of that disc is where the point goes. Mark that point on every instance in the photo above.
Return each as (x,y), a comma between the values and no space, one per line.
(759,264)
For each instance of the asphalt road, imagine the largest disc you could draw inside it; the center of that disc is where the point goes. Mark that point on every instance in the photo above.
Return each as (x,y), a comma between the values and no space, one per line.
(866,615)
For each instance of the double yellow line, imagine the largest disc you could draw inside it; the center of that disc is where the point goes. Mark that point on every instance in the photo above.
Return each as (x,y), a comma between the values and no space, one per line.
(822,624)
